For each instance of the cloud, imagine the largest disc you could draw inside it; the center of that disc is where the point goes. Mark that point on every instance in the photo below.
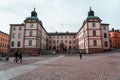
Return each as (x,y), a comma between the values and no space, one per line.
(53,13)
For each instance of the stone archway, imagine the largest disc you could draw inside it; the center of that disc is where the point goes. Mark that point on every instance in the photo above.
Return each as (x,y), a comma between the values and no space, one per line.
(62,47)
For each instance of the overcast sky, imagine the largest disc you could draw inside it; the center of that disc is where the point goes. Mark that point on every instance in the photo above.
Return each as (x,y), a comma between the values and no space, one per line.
(53,13)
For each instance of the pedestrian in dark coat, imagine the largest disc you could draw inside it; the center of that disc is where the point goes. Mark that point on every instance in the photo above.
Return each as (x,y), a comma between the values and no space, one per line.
(20,56)
(80,53)
(16,56)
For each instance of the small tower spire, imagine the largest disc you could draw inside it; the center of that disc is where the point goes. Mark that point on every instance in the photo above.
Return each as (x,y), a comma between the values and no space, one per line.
(90,8)
(91,12)
(34,8)
(34,13)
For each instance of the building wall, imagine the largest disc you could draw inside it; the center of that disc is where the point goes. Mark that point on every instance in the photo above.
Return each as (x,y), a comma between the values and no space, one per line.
(86,36)
(56,39)
(114,39)
(16,35)
(105,30)
(80,38)
(34,37)
(4,38)
(30,34)
(44,40)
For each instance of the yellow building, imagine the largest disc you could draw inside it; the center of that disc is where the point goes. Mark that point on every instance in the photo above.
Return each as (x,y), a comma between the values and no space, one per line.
(3,42)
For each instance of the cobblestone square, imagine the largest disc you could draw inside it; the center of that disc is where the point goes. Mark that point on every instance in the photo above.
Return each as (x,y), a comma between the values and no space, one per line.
(104,66)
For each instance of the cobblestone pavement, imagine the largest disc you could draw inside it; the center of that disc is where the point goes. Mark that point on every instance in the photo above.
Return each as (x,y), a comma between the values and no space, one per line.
(92,67)
(105,66)
(26,60)
(23,68)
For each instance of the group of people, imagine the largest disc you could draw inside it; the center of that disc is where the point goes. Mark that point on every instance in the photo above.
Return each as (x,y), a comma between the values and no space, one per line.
(18,56)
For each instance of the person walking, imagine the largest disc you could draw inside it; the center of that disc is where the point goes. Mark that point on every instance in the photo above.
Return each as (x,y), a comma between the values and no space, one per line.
(16,56)
(80,53)
(20,56)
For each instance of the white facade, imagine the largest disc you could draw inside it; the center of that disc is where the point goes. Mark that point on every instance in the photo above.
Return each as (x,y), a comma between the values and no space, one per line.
(33,35)
(67,41)
(105,30)
(92,37)
(17,33)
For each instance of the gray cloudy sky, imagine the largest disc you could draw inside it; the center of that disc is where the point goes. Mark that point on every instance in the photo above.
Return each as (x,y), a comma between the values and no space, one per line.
(53,13)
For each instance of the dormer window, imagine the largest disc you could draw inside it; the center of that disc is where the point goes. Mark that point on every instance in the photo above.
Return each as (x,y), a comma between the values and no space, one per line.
(14,28)
(31,25)
(93,25)
(104,27)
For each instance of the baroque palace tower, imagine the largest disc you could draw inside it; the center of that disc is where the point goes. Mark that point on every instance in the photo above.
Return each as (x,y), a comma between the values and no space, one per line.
(93,36)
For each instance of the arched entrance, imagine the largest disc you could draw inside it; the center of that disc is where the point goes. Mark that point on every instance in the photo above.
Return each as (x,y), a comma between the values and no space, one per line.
(62,47)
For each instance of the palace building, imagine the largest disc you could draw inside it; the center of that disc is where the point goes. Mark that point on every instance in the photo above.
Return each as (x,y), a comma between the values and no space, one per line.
(62,42)
(4,39)
(31,36)
(93,36)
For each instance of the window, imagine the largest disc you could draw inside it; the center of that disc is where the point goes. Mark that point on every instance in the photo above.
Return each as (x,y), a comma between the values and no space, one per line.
(66,41)
(61,36)
(31,25)
(57,36)
(74,47)
(54,42)
(94,33)
(49,47)
(14,28)
(69,42)
(69,47)
(93,24)
(65,36)
(57,41)
(13,35)
(12,44)
(57,47)
(20,28)
(18,44)
(54,47)
(30,33)
(30,42)
(106,44)
(74,42)
(61,41)
(0,44)
(104,27)
(110,40)
(105,35)
(19,35)
(49,42)
(94,42)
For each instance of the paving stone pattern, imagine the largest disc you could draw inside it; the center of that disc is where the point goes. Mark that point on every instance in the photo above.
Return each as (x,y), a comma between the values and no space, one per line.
(13,72)
(95,67)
